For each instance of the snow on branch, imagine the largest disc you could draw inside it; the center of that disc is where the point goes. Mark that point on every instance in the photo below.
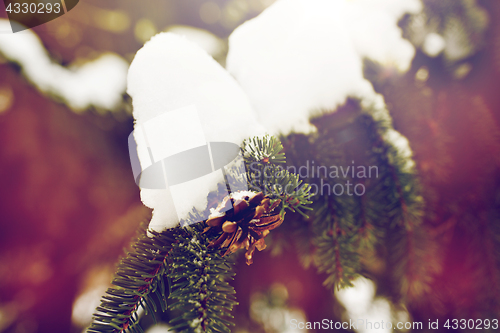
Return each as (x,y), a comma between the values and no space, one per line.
(183,99)
(301,56)
(99,83)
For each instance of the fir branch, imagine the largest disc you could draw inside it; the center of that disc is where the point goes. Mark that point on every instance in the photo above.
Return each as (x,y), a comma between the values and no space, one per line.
(263,158)
(334,256)
(404,210)
(346,227)
(138,282)
(199,284)
(367,234)
(402,193)
(334,225)
(197,275)
(267,149)
(335,244)
(410,250)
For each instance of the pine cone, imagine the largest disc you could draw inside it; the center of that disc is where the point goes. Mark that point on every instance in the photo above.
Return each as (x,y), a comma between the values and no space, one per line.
(245,219)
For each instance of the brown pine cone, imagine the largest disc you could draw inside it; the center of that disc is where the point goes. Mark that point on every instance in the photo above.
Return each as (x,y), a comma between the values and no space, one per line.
(244,218)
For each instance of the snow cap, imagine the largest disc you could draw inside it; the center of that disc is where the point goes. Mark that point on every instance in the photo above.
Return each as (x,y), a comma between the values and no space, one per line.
(301,56)
(185,104)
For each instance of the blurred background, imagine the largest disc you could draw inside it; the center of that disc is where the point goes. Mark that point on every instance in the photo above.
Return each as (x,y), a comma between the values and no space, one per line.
(69,204)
